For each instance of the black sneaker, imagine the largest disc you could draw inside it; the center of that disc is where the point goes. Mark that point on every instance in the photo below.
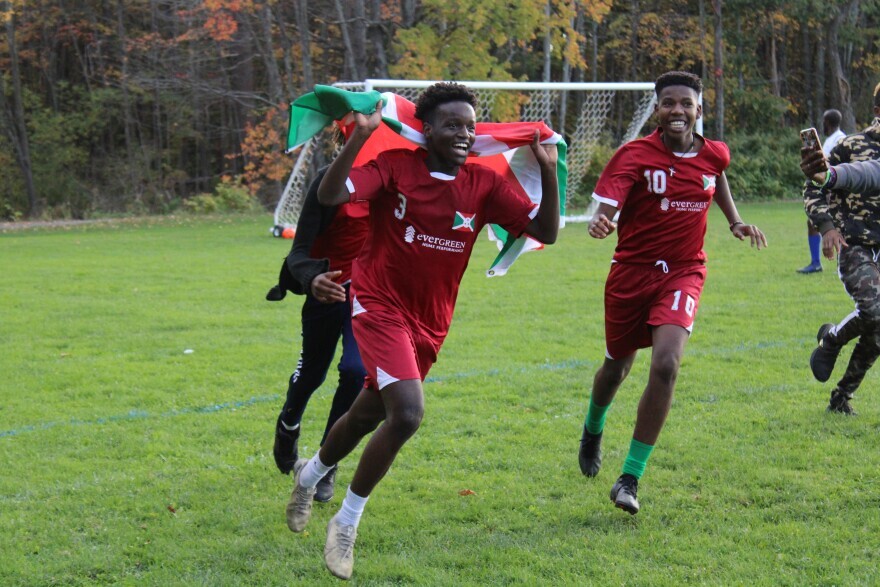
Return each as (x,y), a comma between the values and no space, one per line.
(324,489)
(811,268)
(623,493)
(285,448)
(590,455)
(824,356)
(839,404)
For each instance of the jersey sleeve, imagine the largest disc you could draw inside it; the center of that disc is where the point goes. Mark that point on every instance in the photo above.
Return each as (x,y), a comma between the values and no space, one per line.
(723,153)
(507,208)
(617,179)
(368,181)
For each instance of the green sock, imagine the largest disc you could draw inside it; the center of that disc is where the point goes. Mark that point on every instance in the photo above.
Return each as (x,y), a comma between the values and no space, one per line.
(637,459)
(595,422)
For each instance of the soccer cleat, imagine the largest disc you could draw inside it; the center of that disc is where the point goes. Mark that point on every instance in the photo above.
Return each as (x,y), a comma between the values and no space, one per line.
(285,448)
(324,489)
(339,549)
(299,508)
(840,404)
(623,493)
(590,455)
(811,268)
(824,356)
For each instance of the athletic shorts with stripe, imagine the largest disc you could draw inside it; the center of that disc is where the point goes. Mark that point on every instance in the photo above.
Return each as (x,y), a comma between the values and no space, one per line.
(390,349)
(639,296)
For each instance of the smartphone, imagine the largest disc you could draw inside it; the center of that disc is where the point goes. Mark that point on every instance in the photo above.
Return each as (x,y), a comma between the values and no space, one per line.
(810,139)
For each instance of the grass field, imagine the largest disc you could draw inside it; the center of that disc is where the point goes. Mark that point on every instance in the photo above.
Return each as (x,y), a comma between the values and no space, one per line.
(126,461)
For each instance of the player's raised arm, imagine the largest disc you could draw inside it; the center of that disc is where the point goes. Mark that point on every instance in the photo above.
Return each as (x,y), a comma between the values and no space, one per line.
(332,190)
(544,227)
(738,228)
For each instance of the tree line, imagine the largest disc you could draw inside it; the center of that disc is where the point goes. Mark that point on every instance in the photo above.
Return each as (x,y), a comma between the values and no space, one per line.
(138,106)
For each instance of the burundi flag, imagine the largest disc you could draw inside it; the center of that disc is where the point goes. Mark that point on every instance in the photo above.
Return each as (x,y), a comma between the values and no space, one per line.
(463,221)
(503,147)
(709,182)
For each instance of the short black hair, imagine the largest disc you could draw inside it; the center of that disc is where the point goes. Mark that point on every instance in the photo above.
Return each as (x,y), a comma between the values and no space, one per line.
(678,78)
(441,93)
(832,117)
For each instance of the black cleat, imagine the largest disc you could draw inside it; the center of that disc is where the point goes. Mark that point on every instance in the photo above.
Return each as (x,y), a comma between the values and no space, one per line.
(824,356)
(324,489)
(285,448)
(811,268)
(839,404)
(590,455)
(623,494)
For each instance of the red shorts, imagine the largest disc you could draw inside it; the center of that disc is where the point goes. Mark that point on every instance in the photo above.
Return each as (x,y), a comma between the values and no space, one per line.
(390,349)
(638,297)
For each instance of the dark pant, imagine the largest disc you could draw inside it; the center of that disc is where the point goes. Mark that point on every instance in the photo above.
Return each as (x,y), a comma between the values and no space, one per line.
(860,274)
(322,325)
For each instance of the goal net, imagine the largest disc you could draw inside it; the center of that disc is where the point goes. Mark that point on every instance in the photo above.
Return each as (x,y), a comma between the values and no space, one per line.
(590,116)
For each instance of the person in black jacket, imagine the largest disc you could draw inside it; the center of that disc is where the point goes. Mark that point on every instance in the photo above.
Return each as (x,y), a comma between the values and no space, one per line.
(327,240)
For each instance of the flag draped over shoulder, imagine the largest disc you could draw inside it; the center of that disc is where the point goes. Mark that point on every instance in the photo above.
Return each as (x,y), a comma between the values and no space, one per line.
(503,147)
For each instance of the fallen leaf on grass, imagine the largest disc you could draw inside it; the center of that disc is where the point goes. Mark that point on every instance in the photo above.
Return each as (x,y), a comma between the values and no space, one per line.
(465,492)
(172,509)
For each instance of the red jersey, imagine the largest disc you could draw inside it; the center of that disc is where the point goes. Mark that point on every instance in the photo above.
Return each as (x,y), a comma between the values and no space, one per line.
(341,241)
(663,198)
(423,227)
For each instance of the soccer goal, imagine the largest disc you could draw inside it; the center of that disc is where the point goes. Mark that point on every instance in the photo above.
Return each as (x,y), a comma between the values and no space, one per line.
(587,115)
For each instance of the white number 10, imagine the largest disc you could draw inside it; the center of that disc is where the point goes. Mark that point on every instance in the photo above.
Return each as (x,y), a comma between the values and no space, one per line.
(656,181)
(688,303)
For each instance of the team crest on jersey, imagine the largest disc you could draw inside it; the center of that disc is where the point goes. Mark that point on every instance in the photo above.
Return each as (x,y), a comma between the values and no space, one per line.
(709,182)
(464,221)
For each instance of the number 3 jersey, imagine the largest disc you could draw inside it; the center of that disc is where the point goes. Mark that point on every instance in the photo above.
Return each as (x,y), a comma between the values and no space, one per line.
(663,198)
(423,227)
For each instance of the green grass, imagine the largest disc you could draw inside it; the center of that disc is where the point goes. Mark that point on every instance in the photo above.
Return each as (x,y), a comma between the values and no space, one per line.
(106,426)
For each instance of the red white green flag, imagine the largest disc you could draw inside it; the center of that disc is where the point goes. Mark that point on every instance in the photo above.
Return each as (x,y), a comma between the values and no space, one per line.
(503,147)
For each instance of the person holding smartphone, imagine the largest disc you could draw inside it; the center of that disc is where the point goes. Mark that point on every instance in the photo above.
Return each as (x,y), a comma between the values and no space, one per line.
(831,129)
(849,221)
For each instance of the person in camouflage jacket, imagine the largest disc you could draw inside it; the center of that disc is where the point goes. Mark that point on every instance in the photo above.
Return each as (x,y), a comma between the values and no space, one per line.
(850,227)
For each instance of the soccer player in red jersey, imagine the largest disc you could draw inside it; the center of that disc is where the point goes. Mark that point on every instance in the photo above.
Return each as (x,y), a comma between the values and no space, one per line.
(426,209)
(662,186)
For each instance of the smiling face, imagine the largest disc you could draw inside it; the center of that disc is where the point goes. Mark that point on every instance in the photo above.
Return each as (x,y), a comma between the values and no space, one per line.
(450,135)
(677,111)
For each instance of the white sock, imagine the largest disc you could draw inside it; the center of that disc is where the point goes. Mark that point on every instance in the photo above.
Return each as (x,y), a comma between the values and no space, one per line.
(352,509)
(313,472)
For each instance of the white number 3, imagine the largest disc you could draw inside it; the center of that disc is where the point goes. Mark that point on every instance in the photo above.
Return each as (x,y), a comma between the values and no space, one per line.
(401,210)
(688,303)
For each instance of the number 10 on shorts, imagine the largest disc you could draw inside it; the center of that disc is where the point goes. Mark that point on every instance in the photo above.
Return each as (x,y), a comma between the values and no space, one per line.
(688,303)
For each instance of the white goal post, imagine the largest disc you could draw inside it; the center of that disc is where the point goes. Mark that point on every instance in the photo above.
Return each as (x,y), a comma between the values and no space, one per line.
(587,114)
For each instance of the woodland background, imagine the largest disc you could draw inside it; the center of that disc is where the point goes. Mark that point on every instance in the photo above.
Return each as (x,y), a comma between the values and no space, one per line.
(150,106)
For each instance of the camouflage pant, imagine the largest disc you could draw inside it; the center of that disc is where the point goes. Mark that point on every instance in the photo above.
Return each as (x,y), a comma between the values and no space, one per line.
(860,273)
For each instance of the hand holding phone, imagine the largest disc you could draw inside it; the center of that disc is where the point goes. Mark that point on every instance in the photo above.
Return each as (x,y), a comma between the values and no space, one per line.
(813,163)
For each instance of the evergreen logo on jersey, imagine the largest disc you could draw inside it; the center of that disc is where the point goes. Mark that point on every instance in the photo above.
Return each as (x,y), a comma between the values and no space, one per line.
(682,205)
(441,244)
(410,234)
(463,221)
(709,182)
